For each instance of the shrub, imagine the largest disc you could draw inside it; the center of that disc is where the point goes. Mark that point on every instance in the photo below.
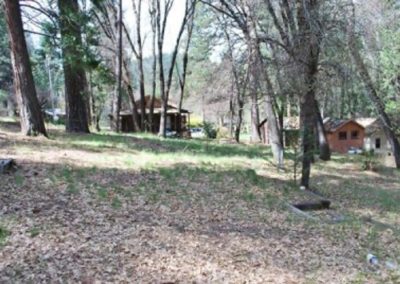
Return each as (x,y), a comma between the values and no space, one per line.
(209,130)
(369,161)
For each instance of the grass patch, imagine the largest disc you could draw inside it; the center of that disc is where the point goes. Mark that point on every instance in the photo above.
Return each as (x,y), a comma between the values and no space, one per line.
(102,192)
(4,233)
(116,203)
(34,232)
(72,188)
(19,180)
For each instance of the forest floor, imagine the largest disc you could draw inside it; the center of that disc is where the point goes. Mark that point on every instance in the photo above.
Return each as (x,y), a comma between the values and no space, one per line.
(125,208)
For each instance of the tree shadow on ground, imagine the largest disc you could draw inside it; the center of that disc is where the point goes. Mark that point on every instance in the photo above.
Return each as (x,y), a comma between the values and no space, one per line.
(96,219)
(10,126)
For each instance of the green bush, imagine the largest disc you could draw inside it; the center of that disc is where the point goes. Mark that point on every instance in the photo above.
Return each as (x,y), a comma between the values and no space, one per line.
(369,161)
(209,130)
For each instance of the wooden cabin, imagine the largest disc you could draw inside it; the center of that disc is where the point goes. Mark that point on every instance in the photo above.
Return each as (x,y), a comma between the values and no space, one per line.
(344,134)
(176,121)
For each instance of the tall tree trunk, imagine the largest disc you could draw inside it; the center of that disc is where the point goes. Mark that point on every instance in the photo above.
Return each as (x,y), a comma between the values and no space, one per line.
(182,81)
(31,118)
(239,121)
(129,90)
(254,88)
(272,123)
(152,12)
(160,26)
(118,90)
(324,150)
(30,113)
(74,73)
(275,131)
(372,92)
(239,86)
(307,115)
(138,13)
(307,56)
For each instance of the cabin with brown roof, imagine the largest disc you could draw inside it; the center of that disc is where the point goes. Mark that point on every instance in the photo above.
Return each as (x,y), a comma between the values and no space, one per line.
(344,134)
(176,121)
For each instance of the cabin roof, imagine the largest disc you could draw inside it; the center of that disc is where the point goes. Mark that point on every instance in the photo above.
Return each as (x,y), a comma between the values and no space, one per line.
(332,125)
(172,107)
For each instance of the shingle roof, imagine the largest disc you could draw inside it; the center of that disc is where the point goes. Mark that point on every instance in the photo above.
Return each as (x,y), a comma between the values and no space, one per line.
(331,125)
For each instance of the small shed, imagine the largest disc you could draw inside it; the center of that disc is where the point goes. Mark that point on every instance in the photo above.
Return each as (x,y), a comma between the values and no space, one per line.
(291,131)
(375,138)
(343,134)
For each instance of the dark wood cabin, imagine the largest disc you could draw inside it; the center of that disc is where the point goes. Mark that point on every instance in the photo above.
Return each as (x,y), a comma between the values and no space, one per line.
(176,121)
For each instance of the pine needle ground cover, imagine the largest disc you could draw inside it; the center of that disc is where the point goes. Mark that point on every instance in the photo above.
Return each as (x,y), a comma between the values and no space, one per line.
(123,208)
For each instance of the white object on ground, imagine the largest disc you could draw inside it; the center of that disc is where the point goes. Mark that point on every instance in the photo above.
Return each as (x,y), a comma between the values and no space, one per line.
(372,259)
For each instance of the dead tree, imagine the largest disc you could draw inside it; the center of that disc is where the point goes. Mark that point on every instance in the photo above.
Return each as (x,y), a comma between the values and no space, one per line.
(244,16)
(106,14)
(162,15)
(240,81)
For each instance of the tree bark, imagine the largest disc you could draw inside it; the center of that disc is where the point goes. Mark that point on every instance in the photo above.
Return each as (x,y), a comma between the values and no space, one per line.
(152,12)
(30,112)
(182,81)
(240,88)
(138,13)
(129,90)
(254,88)
(307,56)
(74,73)
(324,150)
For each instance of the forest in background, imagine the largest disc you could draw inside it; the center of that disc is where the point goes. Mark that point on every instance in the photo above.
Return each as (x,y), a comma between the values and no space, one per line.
(234,63)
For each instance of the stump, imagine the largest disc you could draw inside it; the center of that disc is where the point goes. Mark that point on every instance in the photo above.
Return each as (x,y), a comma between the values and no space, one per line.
(310,206)
(7,166)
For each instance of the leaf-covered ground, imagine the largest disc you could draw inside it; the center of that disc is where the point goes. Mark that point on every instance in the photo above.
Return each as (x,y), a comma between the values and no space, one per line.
(122,208)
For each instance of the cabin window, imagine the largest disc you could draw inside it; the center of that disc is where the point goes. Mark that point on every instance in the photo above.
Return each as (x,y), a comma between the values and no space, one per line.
(354,135)
(377,143)
(343,135)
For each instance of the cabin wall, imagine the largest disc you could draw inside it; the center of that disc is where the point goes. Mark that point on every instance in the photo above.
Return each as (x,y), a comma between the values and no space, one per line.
(172,122)
(339,145)
(371,143)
